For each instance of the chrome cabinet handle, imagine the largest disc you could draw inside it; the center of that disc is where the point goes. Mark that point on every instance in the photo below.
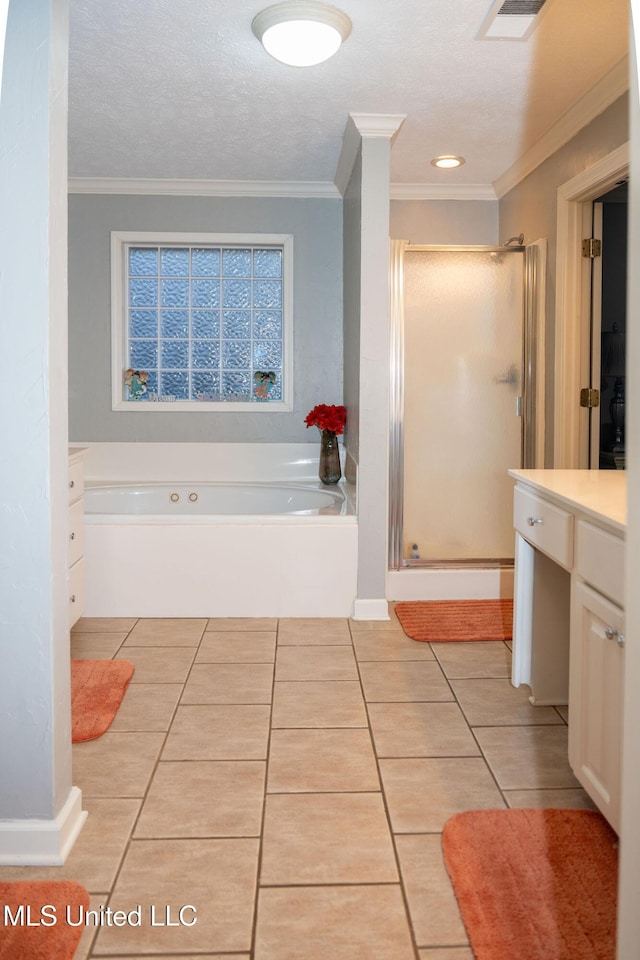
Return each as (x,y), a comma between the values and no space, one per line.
(612,634)
(72,536)
(72,484)
(533,520)
(72,598)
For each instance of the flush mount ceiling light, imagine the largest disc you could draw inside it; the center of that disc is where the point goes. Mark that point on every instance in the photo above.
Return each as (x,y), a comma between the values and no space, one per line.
(448,162)
(301,33)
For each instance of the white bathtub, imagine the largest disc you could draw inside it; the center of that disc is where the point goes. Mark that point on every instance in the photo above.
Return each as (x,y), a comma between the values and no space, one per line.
(220,549)
(184,500)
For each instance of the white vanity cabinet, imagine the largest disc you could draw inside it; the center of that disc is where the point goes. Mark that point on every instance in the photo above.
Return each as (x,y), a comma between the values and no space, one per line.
(596,667)
(568,640)
(75,551)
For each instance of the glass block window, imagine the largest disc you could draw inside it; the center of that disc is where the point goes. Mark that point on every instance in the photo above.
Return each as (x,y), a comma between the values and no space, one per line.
(203,323)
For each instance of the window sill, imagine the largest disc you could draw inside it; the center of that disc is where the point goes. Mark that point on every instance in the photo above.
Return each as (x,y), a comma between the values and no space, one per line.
(204,406)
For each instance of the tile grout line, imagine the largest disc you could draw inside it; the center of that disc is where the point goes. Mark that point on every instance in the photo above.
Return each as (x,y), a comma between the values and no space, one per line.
(385,805)
(395,834)
(482,753)
(502,791)
(256,896)
(96,930)
(130,840)
(94,937)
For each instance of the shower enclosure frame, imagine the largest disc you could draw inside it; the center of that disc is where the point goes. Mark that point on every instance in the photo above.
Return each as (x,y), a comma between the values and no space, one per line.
(531,403)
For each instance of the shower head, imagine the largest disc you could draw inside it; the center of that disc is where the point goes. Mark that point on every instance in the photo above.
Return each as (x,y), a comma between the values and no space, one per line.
(517,240)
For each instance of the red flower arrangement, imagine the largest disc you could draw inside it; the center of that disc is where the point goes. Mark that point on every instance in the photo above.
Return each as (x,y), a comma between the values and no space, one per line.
(327,417)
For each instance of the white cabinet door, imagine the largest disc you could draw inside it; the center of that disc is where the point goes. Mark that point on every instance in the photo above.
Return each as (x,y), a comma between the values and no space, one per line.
(595,697)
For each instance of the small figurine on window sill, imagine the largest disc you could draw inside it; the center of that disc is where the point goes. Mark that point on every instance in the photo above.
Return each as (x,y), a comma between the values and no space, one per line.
(264,383)
(136,382)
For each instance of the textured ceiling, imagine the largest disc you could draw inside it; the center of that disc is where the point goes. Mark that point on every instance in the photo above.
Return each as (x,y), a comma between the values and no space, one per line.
(182,89)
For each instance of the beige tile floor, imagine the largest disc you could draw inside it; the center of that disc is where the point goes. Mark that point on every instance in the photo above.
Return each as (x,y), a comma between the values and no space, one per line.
(290,780)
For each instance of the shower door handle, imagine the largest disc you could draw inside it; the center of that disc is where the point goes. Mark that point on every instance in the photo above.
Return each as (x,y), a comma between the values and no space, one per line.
(519,406)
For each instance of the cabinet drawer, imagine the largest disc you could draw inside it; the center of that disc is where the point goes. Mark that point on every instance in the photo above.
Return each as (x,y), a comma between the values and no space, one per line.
(600,560)
(547,527)
(76,532)
(76,481)
(76,591)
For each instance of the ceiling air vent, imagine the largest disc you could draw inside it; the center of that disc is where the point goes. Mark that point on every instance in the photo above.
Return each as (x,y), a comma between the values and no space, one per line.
(511,20)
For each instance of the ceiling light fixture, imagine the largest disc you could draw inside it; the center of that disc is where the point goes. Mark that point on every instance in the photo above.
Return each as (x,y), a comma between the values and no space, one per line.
(448,162)
(301,33)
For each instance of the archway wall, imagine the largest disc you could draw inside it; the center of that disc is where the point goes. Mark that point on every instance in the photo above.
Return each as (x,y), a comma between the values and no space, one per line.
(34,681)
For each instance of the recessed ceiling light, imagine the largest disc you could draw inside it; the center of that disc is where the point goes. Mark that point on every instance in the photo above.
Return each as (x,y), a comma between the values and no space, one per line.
(301,33)
(446,163)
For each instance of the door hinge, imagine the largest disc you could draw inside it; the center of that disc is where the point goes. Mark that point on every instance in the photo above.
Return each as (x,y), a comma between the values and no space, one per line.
(589,397)
(591,248)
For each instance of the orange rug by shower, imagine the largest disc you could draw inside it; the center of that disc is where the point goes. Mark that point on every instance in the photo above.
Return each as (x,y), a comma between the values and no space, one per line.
(534,884)
(97,689)
(443,620)
(52,904)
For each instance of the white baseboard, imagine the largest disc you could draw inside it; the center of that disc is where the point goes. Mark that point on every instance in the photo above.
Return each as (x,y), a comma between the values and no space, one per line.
(432,583)
(370,610)
(39,843)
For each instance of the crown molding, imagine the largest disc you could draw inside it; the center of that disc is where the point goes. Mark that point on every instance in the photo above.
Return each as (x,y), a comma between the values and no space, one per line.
(266,188)
(587,108)
(442,191)
(203,188)
(361,126)
(378,124)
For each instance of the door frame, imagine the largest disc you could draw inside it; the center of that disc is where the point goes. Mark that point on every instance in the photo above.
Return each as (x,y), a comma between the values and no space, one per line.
(596,338)
(573,304)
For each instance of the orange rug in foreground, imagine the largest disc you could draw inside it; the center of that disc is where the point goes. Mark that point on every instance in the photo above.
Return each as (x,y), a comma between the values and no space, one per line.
(97,689)
(52,904)
(534,884)
(443,620)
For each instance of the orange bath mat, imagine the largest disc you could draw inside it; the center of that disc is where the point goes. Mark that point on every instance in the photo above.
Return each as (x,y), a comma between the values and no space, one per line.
(23,902)
(97,689)
(442,620)
(534,884)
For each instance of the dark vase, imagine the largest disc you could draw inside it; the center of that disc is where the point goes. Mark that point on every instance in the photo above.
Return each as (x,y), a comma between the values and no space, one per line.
(329,471)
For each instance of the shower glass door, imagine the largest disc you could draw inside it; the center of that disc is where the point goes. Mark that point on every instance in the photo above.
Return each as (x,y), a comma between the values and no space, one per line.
(463,328)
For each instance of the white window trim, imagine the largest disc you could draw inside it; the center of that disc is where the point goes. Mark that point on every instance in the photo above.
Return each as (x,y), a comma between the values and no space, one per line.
(119,241)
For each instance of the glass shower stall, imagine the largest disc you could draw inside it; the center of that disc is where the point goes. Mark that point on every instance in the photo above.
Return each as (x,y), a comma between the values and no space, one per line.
(463,408)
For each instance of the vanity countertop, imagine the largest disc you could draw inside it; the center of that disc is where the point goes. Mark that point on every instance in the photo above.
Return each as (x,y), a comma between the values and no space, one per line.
(600,494)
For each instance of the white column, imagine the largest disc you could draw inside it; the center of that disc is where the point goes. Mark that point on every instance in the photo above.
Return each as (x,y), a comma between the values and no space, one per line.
(367,154)
(40,812)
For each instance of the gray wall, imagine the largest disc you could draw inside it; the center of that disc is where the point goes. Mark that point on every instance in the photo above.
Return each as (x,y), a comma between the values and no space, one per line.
(445,221)
(316,225)
(531,208)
